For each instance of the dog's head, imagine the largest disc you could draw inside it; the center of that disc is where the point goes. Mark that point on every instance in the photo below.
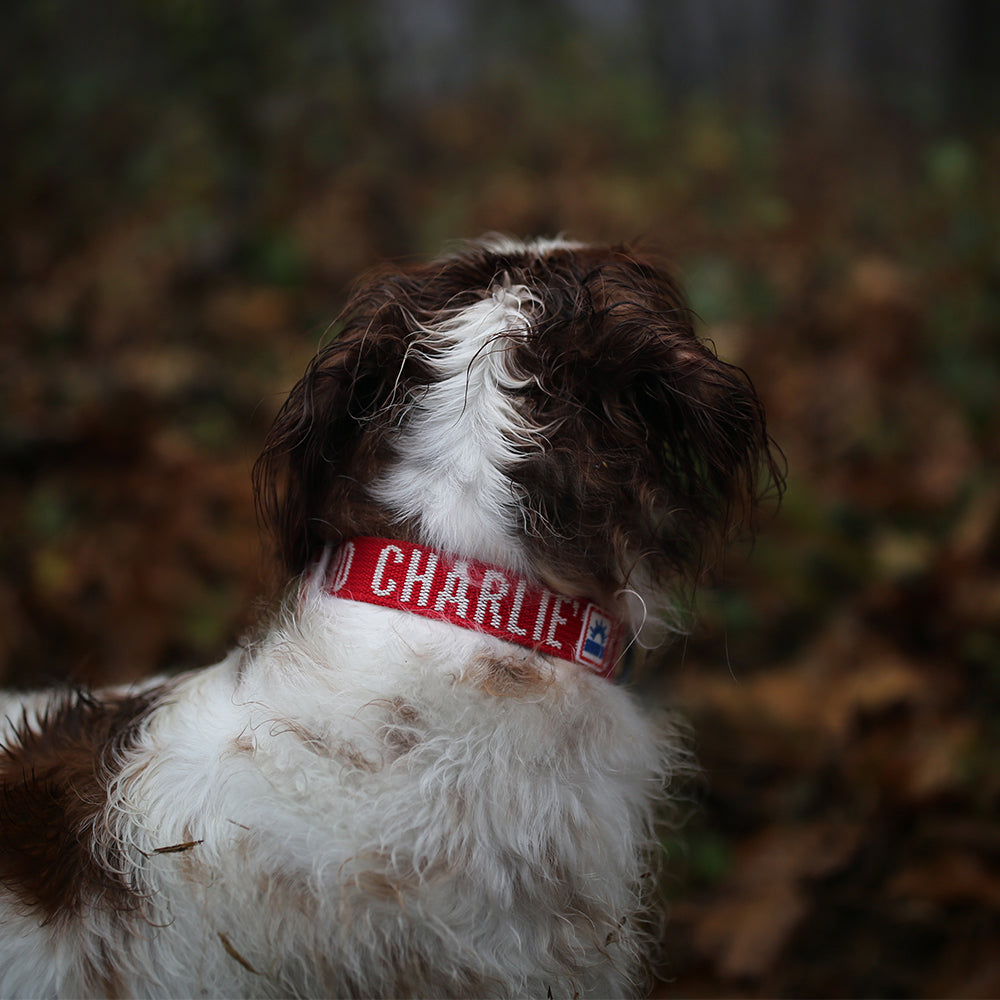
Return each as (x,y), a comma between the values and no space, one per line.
(545,406)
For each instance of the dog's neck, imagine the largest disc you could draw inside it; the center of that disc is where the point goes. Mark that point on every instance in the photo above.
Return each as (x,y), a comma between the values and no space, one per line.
(473,595)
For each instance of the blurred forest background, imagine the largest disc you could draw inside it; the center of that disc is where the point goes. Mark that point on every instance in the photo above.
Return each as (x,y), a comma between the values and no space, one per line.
(189,188)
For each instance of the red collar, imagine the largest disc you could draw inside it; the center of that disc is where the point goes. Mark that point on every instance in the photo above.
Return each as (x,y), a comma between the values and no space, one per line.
(475,596)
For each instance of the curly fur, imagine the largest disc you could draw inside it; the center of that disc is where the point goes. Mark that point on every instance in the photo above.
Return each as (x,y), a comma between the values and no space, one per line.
(362,802)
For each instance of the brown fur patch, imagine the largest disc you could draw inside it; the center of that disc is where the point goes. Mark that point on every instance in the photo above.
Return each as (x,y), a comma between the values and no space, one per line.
(355,758)
(508,676)
(399,735)
(342,750)
(371,884)
(377,875)
(310,740)
(54,778)
(284,892)
(245,743)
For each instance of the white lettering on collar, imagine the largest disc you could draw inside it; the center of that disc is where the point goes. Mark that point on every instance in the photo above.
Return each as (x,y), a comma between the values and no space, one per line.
(425,579)
(492,591)
(455,590)
(513,620)
(377,585)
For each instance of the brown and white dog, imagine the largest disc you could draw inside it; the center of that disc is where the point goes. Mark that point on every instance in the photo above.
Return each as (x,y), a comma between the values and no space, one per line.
(421,777)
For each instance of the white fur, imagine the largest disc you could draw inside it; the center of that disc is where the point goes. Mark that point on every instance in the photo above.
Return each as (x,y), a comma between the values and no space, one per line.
(321,852)
(541,246)
(464,431)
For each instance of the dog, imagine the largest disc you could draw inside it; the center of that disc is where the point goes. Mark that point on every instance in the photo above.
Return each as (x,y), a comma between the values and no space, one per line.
(423,776)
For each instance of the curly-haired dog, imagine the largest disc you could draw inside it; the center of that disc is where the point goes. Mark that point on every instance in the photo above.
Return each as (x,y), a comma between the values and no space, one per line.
(421,778)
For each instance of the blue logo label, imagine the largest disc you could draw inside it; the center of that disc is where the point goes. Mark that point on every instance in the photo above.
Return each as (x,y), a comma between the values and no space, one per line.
(596,636)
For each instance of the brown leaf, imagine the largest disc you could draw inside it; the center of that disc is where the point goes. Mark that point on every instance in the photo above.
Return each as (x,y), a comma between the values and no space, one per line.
(764,899)
(950,877)
(745,935)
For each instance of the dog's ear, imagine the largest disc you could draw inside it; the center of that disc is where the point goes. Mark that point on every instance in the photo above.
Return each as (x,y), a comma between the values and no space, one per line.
(712,456)
(709,454)
(332,434)
(658,449)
